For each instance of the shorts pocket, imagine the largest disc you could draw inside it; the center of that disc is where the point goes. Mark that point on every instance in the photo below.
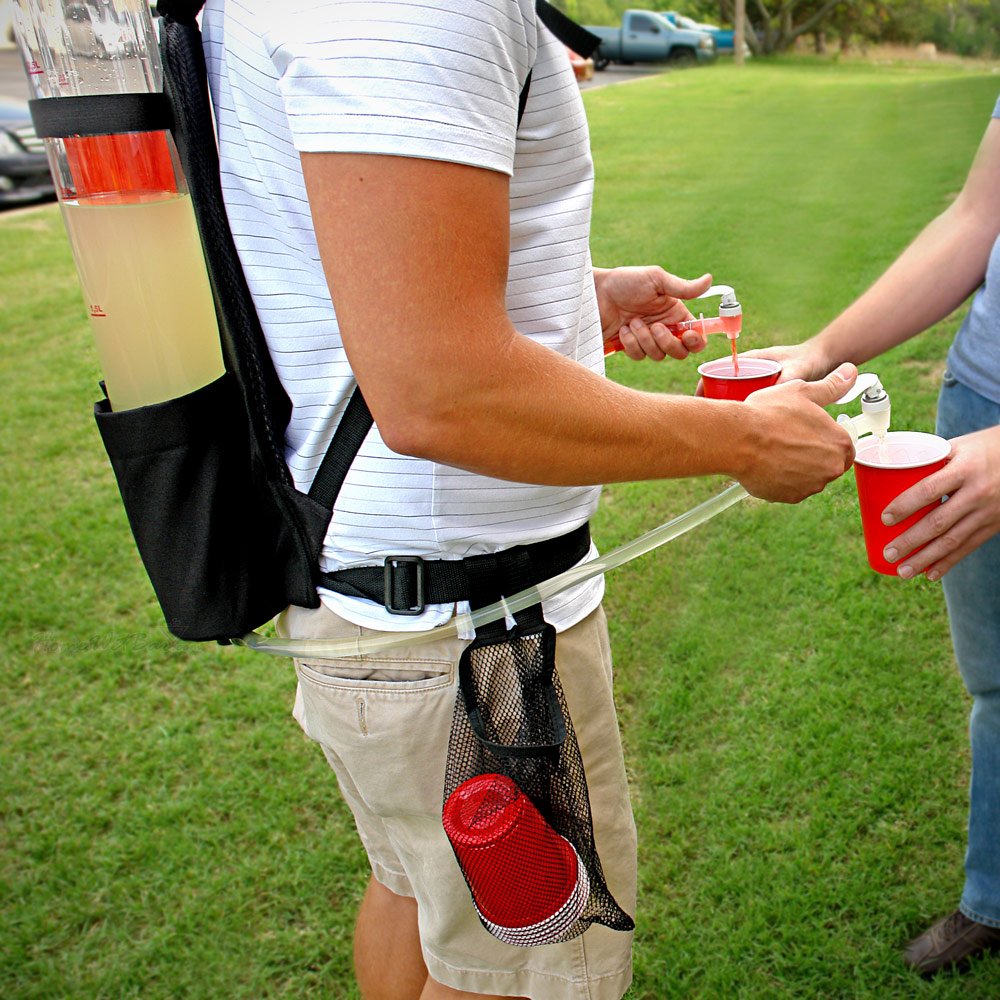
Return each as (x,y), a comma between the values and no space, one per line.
(386,723)
(388,677)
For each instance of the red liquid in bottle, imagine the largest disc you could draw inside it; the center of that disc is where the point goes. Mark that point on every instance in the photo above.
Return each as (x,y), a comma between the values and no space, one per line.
(121,168)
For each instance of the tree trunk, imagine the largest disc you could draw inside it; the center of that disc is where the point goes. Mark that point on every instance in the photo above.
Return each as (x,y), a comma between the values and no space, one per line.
(739,32)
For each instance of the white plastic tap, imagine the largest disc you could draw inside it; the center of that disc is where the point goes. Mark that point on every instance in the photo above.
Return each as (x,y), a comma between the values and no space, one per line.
(729,308)
(875,408)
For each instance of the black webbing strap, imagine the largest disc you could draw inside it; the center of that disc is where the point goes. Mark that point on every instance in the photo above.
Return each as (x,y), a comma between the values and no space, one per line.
(100,114)
(343,449)
(522,101)
(243,343)
(405,585)
(182,11)
(581,41)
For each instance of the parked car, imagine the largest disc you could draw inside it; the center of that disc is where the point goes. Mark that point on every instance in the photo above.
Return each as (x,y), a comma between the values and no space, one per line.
(647,36)
(583,69)
(724,38)
(24,167)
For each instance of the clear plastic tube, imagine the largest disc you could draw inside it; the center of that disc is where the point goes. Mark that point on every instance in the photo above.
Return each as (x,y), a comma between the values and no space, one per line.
(336,648)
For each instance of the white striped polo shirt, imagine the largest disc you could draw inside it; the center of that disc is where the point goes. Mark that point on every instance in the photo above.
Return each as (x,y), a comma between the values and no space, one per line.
(428,79)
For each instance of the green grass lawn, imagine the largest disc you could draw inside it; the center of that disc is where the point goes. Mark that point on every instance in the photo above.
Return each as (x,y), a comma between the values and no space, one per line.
(794,724)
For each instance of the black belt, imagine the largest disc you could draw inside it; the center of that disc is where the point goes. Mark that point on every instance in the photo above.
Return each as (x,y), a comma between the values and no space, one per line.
(405,585)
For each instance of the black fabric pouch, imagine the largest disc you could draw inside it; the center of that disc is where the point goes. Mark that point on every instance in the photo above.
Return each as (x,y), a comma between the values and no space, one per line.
(219,549)
(516,805)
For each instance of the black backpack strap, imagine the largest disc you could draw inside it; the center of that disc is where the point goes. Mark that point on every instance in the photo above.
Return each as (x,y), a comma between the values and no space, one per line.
(405,585)
(571,34)
(342,450)
(182,11)
(244,346)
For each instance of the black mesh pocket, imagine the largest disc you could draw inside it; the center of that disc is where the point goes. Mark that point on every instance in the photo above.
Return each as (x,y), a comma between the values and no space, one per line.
(516,806)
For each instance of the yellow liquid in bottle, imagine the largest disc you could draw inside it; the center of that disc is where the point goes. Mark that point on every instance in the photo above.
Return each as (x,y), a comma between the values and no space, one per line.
(144,280)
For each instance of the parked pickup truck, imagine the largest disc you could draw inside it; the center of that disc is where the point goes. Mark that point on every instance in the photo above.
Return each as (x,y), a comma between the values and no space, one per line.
(647,36)
(724,38)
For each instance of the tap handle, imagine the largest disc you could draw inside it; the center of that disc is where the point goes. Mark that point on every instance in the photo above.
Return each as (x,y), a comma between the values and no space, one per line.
(865,381)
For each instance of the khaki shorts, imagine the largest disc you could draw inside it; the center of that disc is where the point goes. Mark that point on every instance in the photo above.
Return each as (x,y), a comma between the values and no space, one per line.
(383,724)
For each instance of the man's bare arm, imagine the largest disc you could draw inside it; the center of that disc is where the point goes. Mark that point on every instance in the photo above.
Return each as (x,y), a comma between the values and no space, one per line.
(416,255)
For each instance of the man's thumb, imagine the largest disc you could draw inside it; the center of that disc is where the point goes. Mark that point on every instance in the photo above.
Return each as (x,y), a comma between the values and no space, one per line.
(830,389)
(696,286)
(684,288)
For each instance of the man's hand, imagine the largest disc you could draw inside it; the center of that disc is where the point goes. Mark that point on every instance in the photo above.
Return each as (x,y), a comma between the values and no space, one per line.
(636,303)
(969,517)
(799,447)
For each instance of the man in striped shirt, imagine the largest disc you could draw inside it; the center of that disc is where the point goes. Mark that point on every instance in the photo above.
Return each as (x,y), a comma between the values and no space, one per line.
(401,228)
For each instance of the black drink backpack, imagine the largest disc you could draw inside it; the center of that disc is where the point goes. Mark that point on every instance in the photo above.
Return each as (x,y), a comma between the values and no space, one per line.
(229,542)
(226,538)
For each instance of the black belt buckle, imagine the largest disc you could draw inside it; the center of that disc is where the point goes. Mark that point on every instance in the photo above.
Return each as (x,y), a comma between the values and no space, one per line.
(391,563)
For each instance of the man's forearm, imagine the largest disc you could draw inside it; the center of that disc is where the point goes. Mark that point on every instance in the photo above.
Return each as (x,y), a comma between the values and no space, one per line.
(420,294)
(536,416)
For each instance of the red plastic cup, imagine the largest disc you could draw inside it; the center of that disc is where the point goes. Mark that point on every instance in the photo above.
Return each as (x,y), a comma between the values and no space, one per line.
(527,881)
(883,471)
(720,379)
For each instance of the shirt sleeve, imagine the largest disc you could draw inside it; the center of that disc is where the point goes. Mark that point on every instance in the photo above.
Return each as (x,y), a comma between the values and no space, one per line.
(408,79)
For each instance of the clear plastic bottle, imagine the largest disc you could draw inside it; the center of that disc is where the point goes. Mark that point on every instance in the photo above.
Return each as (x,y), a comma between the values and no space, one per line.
(125,204)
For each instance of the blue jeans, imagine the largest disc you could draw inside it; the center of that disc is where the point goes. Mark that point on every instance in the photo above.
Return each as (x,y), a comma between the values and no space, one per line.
(972,590)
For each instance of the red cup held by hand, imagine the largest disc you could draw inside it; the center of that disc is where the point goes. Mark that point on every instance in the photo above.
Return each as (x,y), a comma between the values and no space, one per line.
(884,470)
(721,379)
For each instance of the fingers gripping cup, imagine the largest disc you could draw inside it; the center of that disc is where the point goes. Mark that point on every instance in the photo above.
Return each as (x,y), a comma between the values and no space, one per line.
(885,469)
(527,882)
(722,379)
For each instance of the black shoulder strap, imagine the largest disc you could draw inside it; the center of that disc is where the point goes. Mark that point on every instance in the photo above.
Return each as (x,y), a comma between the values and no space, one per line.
(568,32)
(182,11)
(244,346)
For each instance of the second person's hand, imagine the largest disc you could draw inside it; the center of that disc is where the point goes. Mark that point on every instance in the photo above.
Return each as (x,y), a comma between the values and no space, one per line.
(969,517)
(803,361)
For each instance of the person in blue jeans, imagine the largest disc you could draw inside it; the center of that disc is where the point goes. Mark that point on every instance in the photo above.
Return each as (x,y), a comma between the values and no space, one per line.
(955,255)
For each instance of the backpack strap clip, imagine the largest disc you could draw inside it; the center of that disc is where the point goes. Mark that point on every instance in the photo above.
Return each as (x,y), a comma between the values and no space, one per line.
(394,586)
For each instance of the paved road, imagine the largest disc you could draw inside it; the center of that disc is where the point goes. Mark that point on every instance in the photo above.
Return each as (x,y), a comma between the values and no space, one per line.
(620,74)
